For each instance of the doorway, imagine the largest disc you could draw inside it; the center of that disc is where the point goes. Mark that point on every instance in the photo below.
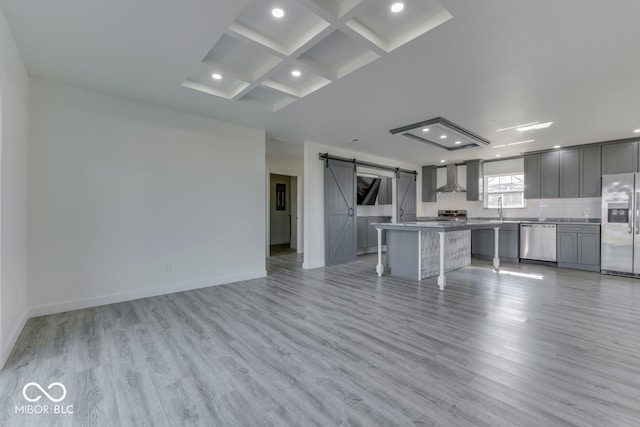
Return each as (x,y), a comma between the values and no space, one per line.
(283,233)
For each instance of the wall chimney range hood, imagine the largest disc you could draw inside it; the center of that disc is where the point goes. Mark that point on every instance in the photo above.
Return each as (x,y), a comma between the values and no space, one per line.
(452,185)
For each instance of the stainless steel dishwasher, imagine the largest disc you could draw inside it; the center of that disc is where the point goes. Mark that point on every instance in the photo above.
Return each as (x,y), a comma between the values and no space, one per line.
(538,242)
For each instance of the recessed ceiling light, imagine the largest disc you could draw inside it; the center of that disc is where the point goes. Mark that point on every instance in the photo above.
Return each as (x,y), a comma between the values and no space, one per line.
(442,161)
(458,142)
(425,130)
(216,76)
(637,131)
(296,73)
(277,12)
(556,146)
(498,155)
(443,136)
(397,7)
(534,127)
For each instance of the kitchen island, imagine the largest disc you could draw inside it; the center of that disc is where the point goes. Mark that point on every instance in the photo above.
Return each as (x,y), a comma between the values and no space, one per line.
(419,250)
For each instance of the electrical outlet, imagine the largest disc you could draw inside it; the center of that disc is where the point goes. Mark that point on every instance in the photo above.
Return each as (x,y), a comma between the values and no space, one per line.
(167,267)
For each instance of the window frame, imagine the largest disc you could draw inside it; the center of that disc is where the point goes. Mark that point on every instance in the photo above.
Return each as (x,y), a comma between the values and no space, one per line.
(487,193)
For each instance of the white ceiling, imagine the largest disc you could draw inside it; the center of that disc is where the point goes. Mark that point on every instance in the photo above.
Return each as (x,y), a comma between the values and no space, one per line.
(495,64)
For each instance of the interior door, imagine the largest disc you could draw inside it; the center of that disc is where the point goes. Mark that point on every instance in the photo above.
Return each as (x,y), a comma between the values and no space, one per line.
(406,202)
(339,211)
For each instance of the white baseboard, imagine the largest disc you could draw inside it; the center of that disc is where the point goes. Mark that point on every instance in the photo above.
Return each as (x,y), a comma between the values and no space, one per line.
(312,264)
(13,338)
(43,310)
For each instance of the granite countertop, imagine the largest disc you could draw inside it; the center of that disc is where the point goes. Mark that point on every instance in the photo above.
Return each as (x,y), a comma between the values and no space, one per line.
(595,221)
(439,225)
(519,220)
(429,224)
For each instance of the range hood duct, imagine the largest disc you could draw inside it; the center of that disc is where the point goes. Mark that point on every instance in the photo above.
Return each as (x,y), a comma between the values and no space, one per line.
(452,181)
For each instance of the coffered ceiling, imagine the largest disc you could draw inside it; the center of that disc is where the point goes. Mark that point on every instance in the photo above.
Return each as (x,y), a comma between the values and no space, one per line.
(488,66)
(275,53)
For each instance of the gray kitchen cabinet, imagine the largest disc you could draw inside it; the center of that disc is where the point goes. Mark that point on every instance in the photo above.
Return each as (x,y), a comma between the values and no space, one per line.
(578,246)
(482,243)
(509,243)
(567,248)
(589,250)
(367,233)
(385,196)
(549,174)
(532,176)
(591,171)
(475,180)
(620,158)
(570,173)
(361,230)
(429,181)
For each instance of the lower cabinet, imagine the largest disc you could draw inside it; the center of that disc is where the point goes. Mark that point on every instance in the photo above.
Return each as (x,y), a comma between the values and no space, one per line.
(368,235)
(482,243)
(361,231)
(578,246)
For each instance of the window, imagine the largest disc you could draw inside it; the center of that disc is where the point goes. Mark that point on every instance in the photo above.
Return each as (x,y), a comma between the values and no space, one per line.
(509,186)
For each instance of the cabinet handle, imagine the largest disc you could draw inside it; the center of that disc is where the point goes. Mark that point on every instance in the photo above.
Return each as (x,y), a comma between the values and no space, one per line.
(635,213)
(350,211)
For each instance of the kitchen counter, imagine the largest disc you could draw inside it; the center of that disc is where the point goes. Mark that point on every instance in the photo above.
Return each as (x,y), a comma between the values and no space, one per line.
(542,220)
(422,249)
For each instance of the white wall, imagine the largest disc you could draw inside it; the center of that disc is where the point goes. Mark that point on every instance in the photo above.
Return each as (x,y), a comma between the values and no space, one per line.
(128,200)
(285,158)
(13,200)
(314,195)
(546,208)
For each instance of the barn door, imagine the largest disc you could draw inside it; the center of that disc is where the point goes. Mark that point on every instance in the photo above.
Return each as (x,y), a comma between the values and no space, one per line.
(339,211)
(406,203)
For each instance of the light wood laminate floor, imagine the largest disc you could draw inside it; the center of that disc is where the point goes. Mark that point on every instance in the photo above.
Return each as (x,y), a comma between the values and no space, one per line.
(339,346)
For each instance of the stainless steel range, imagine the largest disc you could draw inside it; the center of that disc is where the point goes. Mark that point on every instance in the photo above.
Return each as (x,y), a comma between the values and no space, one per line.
(452,215)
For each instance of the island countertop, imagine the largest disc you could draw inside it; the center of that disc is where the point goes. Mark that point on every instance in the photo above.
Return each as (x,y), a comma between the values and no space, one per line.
(440,225)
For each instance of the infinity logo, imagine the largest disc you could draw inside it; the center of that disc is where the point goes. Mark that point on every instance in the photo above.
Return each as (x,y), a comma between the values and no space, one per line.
(39,387)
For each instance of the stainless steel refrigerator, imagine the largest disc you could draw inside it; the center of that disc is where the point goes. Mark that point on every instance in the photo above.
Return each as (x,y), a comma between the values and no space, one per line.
(620,237)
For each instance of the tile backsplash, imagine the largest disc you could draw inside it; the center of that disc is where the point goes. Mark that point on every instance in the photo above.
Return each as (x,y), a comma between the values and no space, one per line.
(544,208)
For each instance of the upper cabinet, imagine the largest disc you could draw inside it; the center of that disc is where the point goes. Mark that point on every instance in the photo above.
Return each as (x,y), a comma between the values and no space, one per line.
(475,180)
(549,174)
(620,158)
(591,171)
(564,173)
(429,182)
(541,175)
(532,176)
(570,173)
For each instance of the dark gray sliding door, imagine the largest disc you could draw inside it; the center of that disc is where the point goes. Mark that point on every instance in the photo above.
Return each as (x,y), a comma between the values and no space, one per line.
(339,212)
(406,197)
